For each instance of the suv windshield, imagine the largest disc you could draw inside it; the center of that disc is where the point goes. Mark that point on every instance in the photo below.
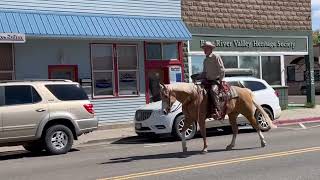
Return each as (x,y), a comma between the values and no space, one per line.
(67,92)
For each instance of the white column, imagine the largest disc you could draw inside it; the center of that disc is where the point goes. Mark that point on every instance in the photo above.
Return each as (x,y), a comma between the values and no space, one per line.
(282,68)
(189,63)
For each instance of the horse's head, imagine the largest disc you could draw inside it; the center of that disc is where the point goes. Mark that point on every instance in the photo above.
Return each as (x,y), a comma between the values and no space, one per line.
(167,97)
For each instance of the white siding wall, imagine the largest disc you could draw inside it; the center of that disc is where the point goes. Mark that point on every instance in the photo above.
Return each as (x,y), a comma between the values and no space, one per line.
(32,60)
(164,8)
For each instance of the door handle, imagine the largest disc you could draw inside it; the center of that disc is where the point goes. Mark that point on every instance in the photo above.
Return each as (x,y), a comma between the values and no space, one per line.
(40,110)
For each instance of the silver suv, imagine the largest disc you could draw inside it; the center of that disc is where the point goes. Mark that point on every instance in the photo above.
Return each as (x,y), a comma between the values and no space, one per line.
(44,114)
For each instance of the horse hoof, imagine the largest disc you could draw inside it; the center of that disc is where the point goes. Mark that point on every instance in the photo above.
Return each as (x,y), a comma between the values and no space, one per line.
(229,147)
(263,144)
(204,151)
(184,150)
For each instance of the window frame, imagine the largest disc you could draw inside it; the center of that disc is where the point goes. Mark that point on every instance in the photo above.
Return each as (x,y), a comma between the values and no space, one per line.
(162,50)
(128,70)
(115,72)
(12,72)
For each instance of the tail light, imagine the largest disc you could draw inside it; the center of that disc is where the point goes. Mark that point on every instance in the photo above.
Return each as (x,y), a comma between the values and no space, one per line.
(89,108)
(276,93)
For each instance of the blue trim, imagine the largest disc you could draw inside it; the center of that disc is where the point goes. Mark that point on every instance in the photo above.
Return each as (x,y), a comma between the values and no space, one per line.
(80,26)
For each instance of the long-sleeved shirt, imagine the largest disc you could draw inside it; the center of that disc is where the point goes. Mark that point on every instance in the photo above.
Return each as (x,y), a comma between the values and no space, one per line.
(213,67)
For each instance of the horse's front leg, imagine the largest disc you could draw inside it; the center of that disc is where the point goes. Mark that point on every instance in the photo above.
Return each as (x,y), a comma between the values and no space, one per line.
(187,124)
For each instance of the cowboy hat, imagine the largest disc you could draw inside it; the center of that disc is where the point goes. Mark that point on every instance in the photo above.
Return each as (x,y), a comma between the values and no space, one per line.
(208,43)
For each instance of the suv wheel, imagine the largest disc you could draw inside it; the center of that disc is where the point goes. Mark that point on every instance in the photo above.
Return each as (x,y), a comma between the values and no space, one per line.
(34,147)
(263,125)
(177,127)
(58,139)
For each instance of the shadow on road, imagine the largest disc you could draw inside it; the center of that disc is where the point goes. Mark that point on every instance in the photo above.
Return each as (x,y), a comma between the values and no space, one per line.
(10,155)
(156,139)
(166,156)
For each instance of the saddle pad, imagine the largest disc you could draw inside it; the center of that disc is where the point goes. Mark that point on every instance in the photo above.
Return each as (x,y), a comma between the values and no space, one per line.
(233,93)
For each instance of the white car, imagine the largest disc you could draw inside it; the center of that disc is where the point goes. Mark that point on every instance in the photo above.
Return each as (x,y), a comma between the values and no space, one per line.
(150,121)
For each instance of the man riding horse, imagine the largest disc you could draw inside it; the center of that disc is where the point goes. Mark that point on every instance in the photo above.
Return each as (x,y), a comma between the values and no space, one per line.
(212,76)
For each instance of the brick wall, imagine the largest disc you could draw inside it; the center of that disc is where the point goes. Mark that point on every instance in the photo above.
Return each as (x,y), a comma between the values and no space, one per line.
(248,14)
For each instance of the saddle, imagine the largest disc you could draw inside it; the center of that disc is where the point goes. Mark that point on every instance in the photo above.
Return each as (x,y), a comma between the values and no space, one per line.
(225,94)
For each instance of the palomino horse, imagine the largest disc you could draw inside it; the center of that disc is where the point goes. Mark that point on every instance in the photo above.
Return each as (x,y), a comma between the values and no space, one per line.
(194,108)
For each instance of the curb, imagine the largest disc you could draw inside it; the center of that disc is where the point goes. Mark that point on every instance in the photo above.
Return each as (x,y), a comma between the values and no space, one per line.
(296,121)
(107,126)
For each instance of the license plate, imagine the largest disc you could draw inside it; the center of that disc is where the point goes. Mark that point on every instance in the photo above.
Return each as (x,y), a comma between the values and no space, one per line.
(138,126)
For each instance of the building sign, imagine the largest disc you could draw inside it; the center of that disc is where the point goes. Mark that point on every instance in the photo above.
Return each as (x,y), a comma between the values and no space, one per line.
(252,44)
(175,74)
(12,38)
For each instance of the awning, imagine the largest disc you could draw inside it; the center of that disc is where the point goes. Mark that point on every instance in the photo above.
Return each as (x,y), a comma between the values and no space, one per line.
(91,26)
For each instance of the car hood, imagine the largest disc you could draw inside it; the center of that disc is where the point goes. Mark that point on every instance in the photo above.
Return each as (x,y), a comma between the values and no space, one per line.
(156,106)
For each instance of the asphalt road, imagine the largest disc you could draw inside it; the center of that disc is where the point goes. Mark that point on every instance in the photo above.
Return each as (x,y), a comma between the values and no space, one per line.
(301,99)
(291,153)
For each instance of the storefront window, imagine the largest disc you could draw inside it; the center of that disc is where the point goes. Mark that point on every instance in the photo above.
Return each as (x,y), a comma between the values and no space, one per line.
(197,63)
(6,62)
(128,70)
(230,61)
(291,73)
(114,76)
(250,62)
(170,51)
(154,51)
(102,64)
(271,71)
(162,51)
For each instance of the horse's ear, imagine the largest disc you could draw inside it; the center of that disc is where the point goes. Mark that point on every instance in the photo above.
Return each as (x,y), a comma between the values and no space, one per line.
(162,86)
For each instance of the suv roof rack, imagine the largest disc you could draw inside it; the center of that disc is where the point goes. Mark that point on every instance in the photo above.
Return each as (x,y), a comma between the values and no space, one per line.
(35,80)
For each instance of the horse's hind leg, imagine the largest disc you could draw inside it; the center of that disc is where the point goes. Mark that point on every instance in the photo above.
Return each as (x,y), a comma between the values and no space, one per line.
(234,125)
(254,124)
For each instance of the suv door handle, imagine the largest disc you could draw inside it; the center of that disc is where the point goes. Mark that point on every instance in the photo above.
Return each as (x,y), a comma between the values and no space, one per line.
(40,110)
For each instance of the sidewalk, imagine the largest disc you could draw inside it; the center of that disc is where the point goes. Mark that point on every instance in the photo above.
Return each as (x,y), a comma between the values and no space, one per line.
(112,132)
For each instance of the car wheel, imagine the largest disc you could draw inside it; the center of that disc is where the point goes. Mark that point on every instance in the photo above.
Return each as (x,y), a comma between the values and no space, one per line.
(58,139)
(177,127)
(263,125)
(34,147)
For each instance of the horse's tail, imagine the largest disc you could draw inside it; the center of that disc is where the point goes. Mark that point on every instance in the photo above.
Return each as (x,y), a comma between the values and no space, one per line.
(264,114)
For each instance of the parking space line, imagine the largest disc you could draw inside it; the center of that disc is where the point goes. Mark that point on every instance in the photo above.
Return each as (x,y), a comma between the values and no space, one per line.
(302,126)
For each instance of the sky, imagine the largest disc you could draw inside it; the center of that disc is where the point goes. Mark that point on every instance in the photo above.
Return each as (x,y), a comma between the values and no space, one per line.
(315,14)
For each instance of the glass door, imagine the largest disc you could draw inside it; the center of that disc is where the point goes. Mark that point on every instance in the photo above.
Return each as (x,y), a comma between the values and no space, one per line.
(154,78)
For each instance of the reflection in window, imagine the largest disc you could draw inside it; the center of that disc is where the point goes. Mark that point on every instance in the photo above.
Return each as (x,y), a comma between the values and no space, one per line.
(170,51)
(254,85)
(291,73)
(153,51)
(128,70)
(230,61)
(15,95)
(197,63)
(271,70)
(128,83)
(162,51)
(251,62)
(102,67)
(103,83)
